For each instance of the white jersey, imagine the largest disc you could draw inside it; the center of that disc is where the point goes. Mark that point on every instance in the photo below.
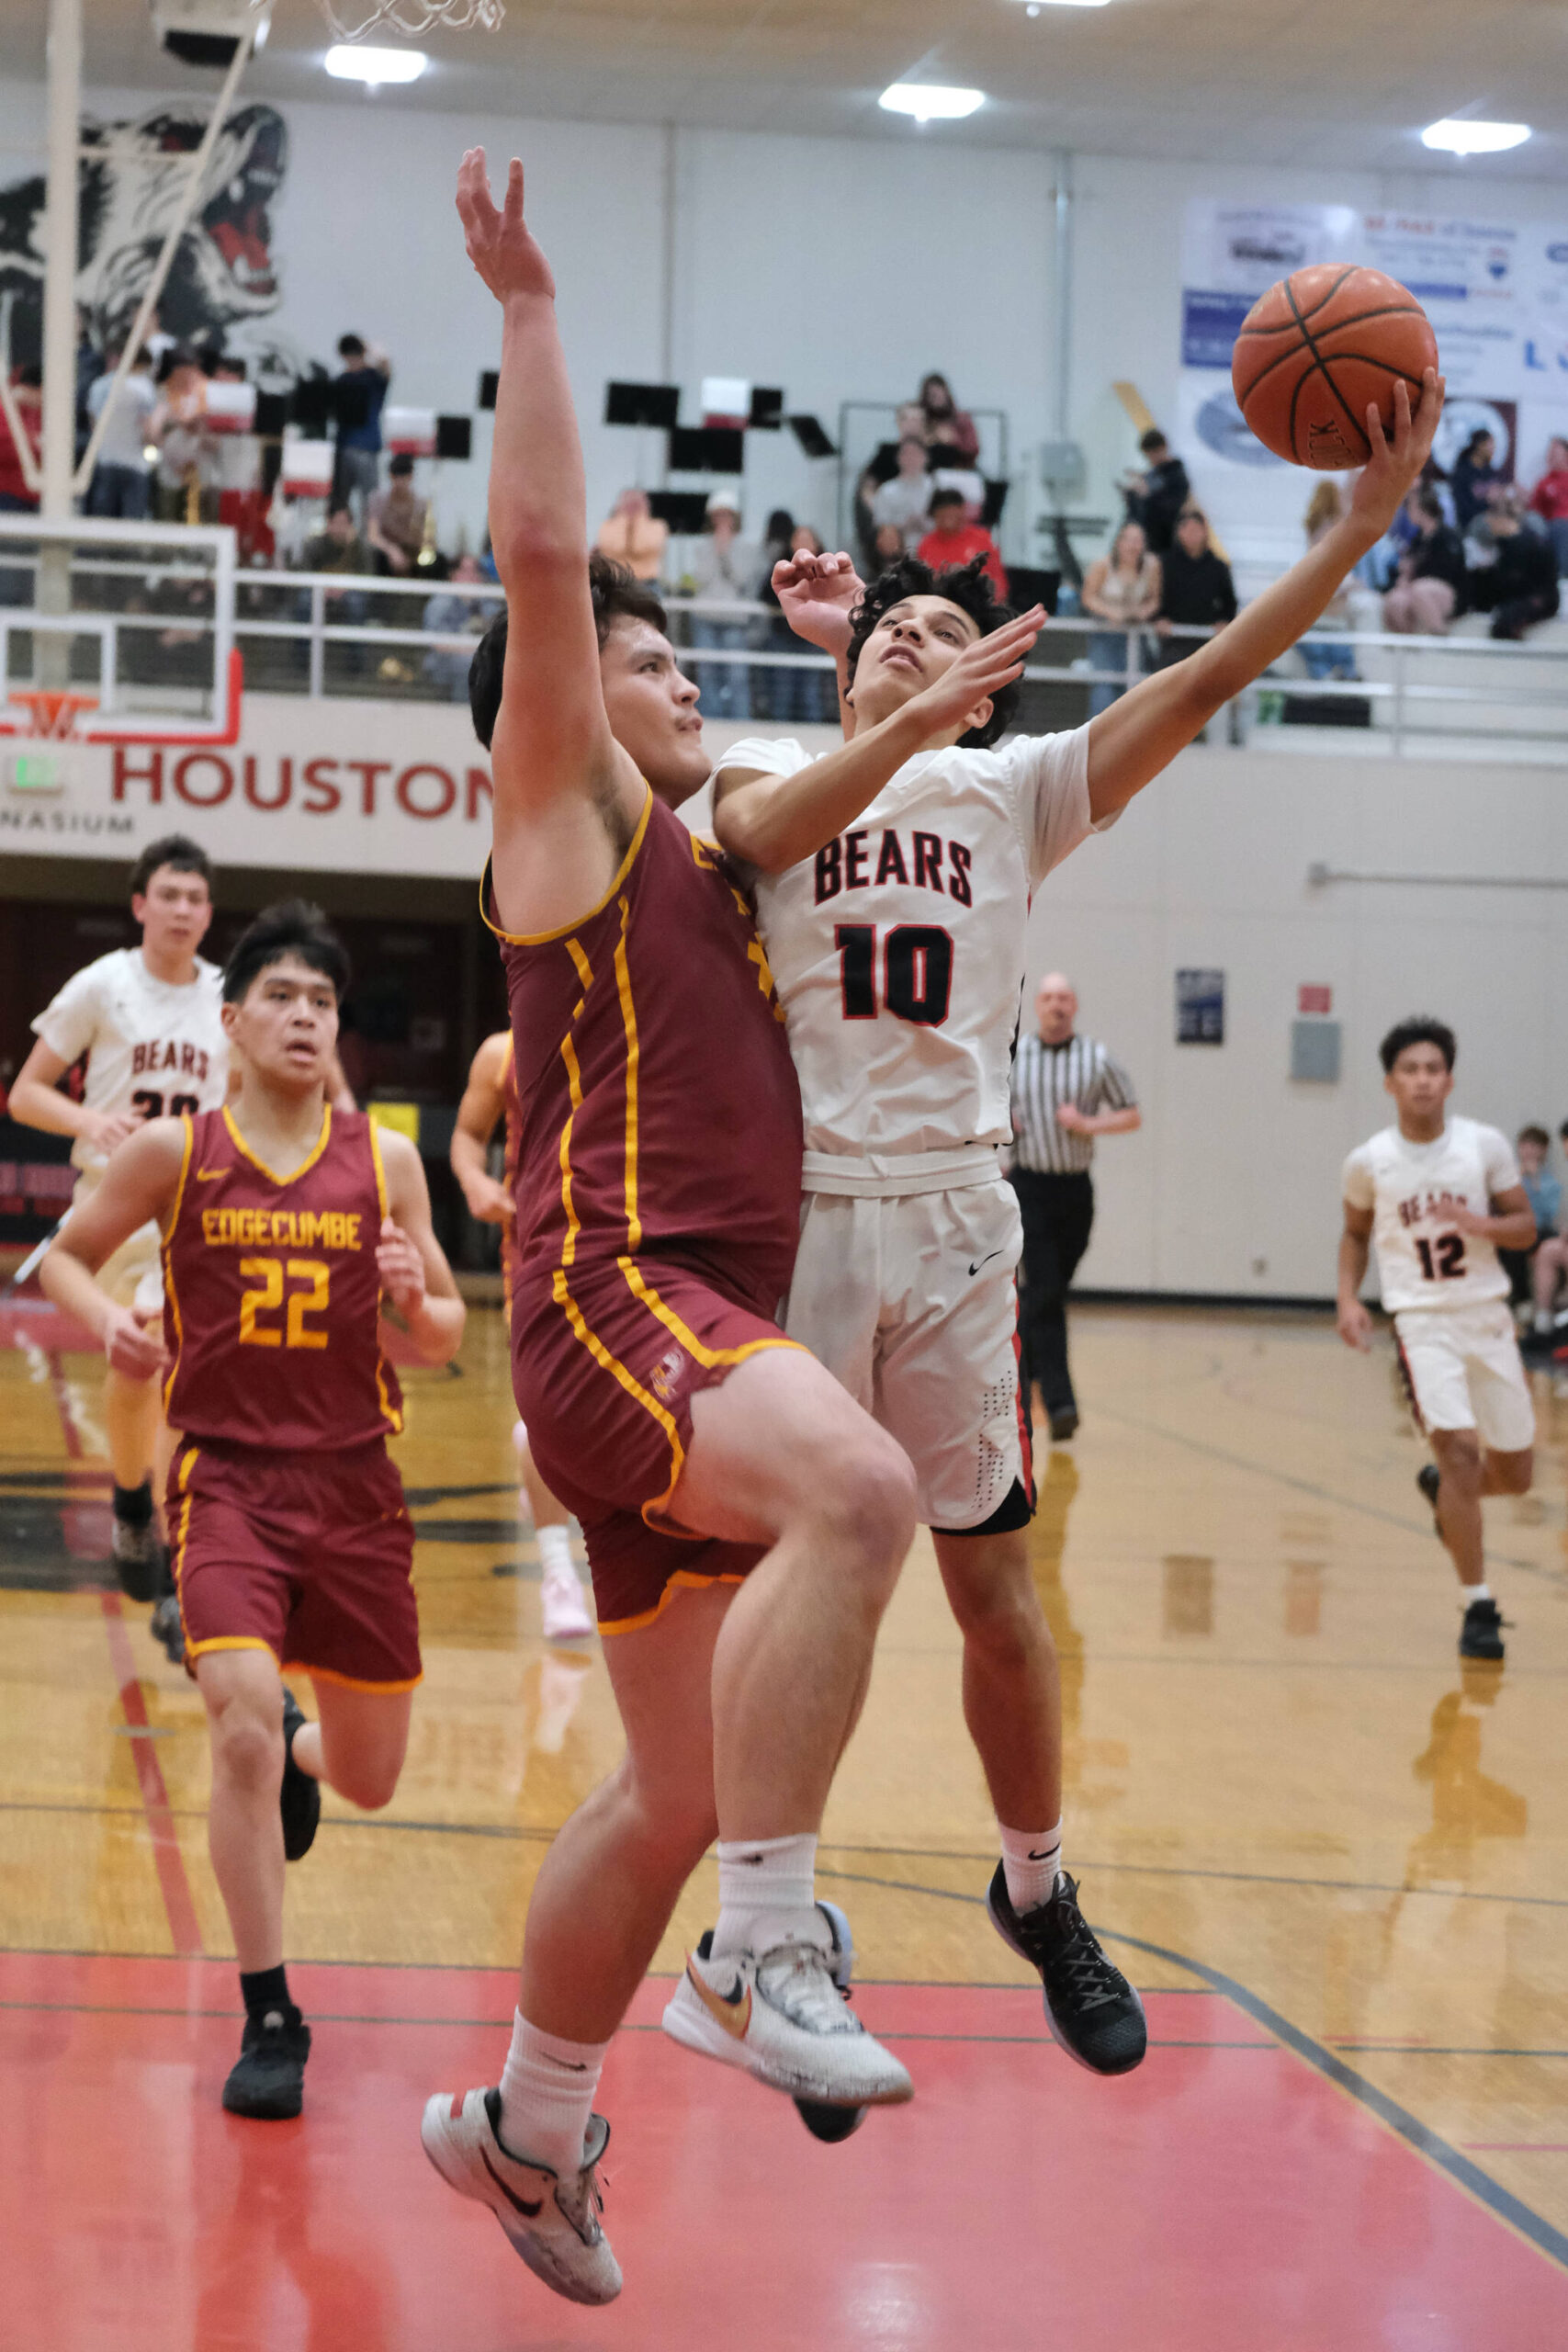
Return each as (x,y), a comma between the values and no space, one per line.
(899,951)
(150,1045)
(1412,1190)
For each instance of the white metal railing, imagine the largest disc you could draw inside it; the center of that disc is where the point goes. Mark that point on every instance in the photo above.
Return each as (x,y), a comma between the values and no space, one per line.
(357,634)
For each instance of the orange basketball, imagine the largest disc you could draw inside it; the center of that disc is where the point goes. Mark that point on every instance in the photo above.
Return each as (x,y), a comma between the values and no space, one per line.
(1317,350)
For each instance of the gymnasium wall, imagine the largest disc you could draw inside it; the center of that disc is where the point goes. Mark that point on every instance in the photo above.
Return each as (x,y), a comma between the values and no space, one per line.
(837,268)
(1231,1185)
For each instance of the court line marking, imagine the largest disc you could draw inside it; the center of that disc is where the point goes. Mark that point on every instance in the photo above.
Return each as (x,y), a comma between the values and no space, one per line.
(1441,2153)
(1308,1486)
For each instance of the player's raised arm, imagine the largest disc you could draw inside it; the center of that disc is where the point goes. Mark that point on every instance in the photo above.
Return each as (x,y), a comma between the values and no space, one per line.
(774,821)
(566,797)
(138,1188)
(1143,732)
(413,1269)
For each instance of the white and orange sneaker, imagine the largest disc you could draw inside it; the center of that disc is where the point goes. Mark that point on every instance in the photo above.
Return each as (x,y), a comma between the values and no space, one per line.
(782,2015)
(552,2222)
(563,1607)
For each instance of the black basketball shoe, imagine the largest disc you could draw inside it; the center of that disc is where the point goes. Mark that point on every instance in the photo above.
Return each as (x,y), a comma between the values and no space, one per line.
(165,1625)
(268,2080)
(1428,1478)
(299,1799)
(1480,1635)
(1090,2007)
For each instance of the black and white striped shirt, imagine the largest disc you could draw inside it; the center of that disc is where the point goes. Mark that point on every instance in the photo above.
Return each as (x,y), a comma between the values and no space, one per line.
(1043,1078)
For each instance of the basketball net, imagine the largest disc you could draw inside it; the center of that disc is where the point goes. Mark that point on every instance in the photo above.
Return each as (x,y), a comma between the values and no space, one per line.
(54,715)
(413,19)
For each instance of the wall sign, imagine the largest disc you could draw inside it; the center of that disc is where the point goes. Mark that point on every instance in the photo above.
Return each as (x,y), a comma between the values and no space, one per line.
(1200,1007)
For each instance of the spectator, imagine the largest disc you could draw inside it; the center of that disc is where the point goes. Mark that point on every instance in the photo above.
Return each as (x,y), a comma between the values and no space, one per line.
(446,614)
(798,693)
(1519,589)
(954,539)
(904,502)
(1122,587)
(1196,589)
(1157,496)
(773,690)
(89,367)
(357,394)
(1326,507)
(186,489)
(633,536)
(1430,591)
(16,498)
(950,432)
(120,486)
(1474,481)
(886,547)
(397,520)
(340,549)
(1549,499)
(725,571)
(1533,1147)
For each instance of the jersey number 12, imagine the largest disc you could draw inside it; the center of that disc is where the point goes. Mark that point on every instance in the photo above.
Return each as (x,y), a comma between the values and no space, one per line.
(1448,1251)
(917,962)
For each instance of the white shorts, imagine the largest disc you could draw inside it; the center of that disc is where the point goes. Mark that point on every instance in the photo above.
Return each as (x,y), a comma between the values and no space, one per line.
(912,1304)
(132,1274)
(1463,1371)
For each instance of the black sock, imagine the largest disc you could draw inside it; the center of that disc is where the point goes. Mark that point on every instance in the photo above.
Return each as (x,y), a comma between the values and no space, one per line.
(134,1504)
(265,1991)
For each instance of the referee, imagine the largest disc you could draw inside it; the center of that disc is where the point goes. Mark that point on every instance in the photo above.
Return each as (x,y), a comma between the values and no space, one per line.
(1065,1091)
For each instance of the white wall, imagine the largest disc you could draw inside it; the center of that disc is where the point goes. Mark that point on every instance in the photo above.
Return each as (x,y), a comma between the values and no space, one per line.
(1236,1162)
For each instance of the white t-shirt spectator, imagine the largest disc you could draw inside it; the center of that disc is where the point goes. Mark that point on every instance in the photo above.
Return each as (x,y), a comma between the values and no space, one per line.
(125,441)
(904,503)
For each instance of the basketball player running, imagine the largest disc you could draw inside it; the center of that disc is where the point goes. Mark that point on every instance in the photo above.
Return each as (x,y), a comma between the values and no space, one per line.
(147,1019)
(1440,1195)
(895,882)
(284,1224)
(745,1523)
(489,1096)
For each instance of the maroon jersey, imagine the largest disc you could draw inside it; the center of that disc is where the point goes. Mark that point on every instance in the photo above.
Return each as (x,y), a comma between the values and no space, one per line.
(272,1297)
(660,1110)
(513,1113)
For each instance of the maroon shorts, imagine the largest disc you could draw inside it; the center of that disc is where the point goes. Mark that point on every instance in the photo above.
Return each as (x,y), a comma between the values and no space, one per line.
(605,1364)
(308,1556)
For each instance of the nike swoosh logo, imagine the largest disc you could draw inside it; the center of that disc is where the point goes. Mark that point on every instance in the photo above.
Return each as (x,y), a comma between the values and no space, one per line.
(1044,1856)
(529,2212)
(732,2011)
(571,2065)
(206,1175)
(984,1261)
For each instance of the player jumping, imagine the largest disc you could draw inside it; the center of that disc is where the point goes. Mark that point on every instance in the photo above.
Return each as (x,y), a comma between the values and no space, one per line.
(491,1096)
(894,881)
(1440,1195)
(745,1522)
(283,1225)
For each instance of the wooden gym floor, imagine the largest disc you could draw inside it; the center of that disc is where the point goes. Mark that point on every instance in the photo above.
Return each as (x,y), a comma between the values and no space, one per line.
(1338,1865)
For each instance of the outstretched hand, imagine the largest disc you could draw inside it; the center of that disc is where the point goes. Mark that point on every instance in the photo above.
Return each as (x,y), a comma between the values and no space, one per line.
(980,672)
(500,245)
(1394,469)
(818,595)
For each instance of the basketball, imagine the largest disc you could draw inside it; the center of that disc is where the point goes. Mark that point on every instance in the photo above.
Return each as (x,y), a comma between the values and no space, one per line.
(1316,350)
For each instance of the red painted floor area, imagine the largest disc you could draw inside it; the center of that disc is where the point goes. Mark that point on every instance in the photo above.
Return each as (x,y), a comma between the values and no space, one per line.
(1226,2199)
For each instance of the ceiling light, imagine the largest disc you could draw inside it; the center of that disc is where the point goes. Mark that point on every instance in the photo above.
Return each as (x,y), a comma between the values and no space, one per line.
(1034,7)
(929,102)
(1466,138)
(349,63)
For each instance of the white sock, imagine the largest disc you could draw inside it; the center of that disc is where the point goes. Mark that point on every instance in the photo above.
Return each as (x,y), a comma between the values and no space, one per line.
(546,2096)
(1543,1319)
(1475,1592)
(1031,1861)
(554,1550)
(767,1894)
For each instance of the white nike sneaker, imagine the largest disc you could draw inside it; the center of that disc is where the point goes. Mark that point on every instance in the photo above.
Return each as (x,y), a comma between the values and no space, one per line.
(564,1607)
(780,2015)
(553,2224)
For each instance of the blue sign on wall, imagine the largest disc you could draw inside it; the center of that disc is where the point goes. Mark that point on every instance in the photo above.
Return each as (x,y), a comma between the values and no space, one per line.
(1200,1008)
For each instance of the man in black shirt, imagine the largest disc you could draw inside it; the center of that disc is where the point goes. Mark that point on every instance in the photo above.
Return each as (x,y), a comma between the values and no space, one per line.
(1157,497)
(1521,588)
(1196,588)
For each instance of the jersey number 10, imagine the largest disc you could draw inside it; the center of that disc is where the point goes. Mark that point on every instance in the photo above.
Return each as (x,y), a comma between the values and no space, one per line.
(917,962)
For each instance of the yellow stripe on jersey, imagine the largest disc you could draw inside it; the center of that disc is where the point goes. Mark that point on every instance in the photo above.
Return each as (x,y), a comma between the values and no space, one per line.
(700,1352)
(257,1161)
(628,1018)
(628,1381)
(166,1253)
(546,938)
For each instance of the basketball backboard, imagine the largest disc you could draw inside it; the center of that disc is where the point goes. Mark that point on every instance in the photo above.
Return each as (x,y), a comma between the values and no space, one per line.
(117,633)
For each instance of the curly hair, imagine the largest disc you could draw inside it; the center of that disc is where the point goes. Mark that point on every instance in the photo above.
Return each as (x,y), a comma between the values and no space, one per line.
(965,585)
(1419,1029)
(617,595)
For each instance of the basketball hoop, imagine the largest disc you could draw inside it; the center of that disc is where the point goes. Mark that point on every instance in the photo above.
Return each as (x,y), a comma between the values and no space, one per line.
(54,715)
(411,18)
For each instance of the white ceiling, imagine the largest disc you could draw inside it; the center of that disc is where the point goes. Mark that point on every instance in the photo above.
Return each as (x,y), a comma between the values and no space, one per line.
(1336,82)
